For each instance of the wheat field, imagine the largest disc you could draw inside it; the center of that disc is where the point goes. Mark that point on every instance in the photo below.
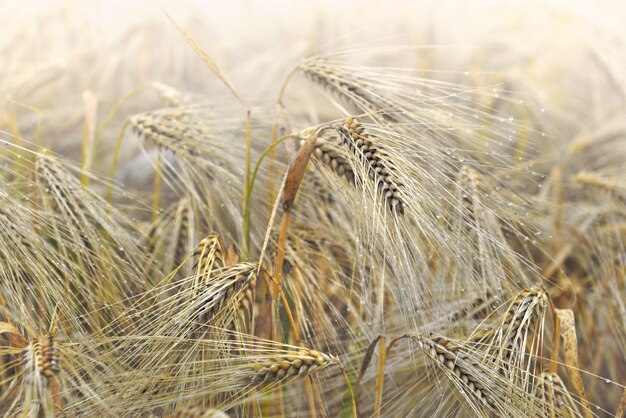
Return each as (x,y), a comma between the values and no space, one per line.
(312,209)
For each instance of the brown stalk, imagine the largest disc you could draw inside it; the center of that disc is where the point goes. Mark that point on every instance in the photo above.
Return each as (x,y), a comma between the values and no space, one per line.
(292,183)
(380,377)
(570,350)
(620,412)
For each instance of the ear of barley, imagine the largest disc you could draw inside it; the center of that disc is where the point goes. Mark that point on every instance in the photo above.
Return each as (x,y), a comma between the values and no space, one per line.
(553,397)
(169,238)
(197,413)
(348,87)
(170,131)
(481,231)
(74,223)
(210,254)
(291,366)
(458,367)
(479,308)
(57,183)
(526,310)
(229,288)
(40,358)
(599,183)
(327,150)
(471,185)
(320,189)
(182,231)
(377,164)
(35,389)
(516,344)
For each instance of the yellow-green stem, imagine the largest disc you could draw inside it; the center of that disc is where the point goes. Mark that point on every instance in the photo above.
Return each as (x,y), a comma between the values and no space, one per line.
(246,189)
(116,154)
(156,197)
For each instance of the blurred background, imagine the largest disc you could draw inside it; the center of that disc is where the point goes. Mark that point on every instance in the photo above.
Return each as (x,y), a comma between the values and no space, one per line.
(57,57)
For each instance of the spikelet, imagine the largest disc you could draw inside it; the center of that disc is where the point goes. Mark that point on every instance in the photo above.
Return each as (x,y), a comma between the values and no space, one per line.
(51,359)
(377,164)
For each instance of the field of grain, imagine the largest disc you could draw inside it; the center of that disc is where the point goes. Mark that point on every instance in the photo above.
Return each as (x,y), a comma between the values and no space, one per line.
(312,209)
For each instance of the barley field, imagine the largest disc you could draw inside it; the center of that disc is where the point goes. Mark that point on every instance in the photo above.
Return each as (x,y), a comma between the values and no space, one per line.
(312,208)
